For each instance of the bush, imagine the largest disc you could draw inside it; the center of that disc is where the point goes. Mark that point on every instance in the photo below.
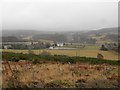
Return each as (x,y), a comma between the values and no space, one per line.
(103,48)
(15,59)
(35,61)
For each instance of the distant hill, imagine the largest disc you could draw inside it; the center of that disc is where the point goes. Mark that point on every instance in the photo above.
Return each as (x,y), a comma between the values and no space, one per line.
(52,37)
(28,32)
(102,31)
(101,35)
(105,34)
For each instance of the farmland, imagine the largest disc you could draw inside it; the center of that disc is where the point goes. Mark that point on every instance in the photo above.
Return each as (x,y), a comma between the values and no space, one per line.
(110,55)
(45,68)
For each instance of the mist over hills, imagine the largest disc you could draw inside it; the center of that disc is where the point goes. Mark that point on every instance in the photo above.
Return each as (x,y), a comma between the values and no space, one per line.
(33,32)
(64,36)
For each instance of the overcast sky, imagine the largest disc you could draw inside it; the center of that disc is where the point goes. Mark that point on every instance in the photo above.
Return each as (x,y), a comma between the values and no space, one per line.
(59,14)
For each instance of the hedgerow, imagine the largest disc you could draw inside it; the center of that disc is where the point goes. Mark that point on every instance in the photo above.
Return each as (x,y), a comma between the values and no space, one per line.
(60,58)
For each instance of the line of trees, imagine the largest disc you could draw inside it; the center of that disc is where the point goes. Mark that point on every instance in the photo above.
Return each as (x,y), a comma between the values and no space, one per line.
(23,46)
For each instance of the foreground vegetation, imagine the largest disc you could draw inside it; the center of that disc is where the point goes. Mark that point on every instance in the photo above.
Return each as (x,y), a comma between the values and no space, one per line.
(54,74)
(58,71)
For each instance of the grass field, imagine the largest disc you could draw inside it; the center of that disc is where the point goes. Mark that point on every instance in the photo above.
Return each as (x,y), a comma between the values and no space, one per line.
(110,55)
(86,47)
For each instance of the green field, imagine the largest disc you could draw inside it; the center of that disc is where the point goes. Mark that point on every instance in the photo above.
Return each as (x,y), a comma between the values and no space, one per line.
(82,47)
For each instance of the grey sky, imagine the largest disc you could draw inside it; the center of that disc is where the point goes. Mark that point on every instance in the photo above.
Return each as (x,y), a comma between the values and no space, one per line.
(61,15)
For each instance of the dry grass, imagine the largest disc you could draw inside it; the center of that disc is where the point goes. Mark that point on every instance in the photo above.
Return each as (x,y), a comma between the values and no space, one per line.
(66,75)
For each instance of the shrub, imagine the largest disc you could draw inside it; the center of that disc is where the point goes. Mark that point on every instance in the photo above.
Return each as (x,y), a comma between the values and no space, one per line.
(35,61)
(15,59)
(103,48)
